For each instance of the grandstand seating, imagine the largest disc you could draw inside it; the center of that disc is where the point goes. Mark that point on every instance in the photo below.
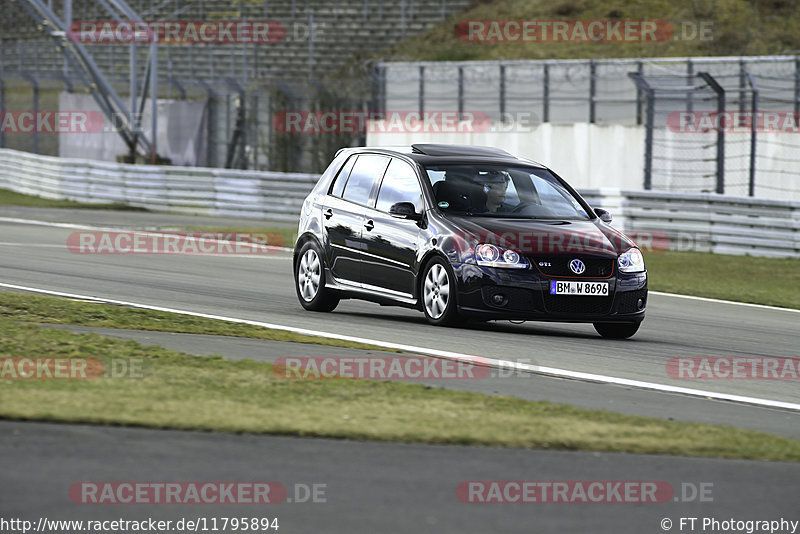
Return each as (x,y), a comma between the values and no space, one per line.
(347,30)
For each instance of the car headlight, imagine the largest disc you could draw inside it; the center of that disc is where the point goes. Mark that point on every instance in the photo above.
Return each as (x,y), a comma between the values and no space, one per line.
(494,256)
(631,261)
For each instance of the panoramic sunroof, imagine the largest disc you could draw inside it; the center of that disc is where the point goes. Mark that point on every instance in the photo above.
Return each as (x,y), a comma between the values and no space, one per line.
(458,150)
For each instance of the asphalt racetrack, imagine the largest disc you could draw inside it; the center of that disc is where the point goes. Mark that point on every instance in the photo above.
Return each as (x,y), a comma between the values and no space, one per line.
(375,487)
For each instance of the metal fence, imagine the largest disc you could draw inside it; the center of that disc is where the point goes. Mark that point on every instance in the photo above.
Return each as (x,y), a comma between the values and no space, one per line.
(566,91)
(678,221)
(618,91)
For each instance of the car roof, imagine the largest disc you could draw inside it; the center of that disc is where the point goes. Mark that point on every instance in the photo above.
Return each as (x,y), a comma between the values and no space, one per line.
(430,154)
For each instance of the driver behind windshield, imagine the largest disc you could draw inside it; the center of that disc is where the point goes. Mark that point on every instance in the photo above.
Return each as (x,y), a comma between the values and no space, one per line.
(495,185)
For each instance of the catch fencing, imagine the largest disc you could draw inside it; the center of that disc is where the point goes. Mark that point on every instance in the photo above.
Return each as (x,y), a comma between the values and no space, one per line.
(653,92)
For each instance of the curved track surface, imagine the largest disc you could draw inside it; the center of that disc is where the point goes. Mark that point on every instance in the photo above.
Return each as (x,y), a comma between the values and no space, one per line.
(261,288)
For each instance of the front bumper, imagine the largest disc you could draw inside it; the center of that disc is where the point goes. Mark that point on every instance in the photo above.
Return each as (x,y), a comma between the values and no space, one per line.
(526,295)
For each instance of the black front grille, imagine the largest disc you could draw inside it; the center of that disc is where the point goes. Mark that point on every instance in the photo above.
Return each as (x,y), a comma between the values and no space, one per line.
(558,265)
(577,305)
(627,302)
(518,299)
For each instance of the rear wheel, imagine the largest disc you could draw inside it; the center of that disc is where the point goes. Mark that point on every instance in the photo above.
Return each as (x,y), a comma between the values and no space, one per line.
(439,294)
(616,330)
(309,276)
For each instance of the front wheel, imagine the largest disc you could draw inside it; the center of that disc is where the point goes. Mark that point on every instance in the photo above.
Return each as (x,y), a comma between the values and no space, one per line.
(616,330)
(309,277)
(439,294)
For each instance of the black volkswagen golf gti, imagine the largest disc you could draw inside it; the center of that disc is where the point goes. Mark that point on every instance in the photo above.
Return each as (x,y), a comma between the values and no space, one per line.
(462,231)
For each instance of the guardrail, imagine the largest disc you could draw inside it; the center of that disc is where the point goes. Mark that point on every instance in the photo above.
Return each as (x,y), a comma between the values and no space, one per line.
(211,191)
(703,222)
(706,222)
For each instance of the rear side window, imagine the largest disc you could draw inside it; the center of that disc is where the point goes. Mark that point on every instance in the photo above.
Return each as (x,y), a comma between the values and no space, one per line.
(367,170)
(341,179)
(399,185)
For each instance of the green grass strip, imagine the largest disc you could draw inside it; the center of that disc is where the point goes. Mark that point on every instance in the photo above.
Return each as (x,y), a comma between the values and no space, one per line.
(178,391)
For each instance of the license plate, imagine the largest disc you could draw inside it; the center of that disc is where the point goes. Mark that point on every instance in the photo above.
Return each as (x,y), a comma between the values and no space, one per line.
(589,289)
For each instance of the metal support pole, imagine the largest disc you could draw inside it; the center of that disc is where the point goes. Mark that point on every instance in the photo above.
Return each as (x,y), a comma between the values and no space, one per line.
(751,190)
(460,92)
(211,126)
(67,22)
(243,47)
(645,88)
(640,72)
(689,78)
(502,93)
(154,98)
(310,46)
(592,89)
(255,137)
(421,89)
(2,111)
(742,92)
(797,87)
(35,85)
(134,86)
(546,94)
(648,140)
(403,18)
(720,129)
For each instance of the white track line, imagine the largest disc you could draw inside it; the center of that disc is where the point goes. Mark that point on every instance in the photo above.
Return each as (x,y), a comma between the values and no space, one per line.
(536,369)
(287,249)
(72,226)
(719,301)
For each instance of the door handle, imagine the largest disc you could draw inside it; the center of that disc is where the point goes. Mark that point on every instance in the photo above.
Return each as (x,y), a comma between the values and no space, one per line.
(369,225)
(328,213)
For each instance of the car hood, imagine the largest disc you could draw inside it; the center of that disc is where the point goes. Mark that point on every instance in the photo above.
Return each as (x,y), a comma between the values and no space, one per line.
(542,237)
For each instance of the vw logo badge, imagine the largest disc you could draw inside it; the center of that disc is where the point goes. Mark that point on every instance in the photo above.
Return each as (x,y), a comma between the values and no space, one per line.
(577,266)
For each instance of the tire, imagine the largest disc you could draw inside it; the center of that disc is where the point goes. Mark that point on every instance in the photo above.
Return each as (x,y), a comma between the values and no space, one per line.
(438,294)
(309,280)
(616,330)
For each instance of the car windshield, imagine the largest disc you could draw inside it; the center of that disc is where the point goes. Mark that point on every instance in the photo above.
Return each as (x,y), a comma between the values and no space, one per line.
(502,191)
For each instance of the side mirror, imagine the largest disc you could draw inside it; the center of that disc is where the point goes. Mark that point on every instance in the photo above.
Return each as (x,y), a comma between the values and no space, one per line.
(603,214)
(404,210)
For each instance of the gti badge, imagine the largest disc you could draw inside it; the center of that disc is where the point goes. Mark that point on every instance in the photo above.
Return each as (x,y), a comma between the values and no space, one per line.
(577,266)
(544,264)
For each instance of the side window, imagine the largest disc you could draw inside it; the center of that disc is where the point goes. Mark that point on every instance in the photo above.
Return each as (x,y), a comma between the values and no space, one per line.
(341,179)
(399,185)
(367,170)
